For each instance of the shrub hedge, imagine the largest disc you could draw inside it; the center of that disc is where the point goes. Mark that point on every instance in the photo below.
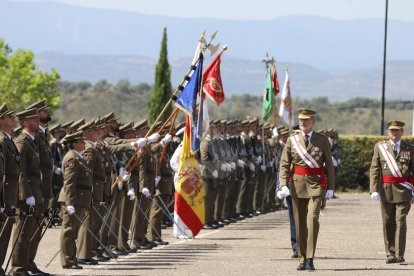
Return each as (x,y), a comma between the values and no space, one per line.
(357,151)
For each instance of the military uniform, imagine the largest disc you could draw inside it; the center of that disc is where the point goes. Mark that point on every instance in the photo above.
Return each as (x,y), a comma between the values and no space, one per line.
(9,171)
(164,192)
(308,185)
(395,191)
(29,189)
(76,192)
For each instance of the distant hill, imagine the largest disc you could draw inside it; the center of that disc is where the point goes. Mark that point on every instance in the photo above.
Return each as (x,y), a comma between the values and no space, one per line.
(240,75)
(333,45)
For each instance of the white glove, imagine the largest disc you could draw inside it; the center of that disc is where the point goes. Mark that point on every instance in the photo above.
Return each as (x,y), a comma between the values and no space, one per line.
(157,180)
(131,194)
(215,174)
(126,176)
(270,163)
(30,201)
(122,172)
(166,139)
(58,171)
(153,138)
(1,210)
(228,167)
(375,196)
(259,159)
(233,165)
(223,167)
(334,162)
(145,192)
(240,163)
(251,166)
(263,168)
(279,195)
(120,185)
(70,209)
(285,191)
(329,194)
(140,143)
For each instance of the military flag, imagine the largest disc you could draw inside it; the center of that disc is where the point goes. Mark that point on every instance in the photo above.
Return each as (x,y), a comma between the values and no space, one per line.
(268,97)
(285,110)
(275,81)
(189,196)
(187,100)
(213,86)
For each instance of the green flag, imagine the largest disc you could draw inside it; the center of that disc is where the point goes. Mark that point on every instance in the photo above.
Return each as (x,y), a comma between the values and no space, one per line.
(268,98)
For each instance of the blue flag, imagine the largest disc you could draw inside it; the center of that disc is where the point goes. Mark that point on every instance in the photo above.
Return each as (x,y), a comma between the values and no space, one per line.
(187,100)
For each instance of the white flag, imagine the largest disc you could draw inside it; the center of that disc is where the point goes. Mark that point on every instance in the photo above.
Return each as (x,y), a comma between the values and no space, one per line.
(285,110)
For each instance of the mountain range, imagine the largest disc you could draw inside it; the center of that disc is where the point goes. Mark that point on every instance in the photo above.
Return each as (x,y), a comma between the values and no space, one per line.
(326,57)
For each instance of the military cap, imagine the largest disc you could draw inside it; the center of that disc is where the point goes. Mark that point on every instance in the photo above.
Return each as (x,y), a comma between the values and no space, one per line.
(141,124)
(77,123)
(217,122)
(211,122)
(253,121)
(126,127)
(73,137)
(4,110)
(306,113)
(87,126)
(66,125)
(260,125)
(296,127)
(279,128)
(245,122)
(40,105)
(395,125)
(27,114)
(99,123)
(110,117)
(17,129)
(284,131)
(266,125)
(55,128)
(330,130)
(223,122)
(230,123)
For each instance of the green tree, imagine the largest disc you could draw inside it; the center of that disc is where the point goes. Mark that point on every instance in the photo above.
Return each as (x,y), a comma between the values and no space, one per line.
(162,85)
(22,83)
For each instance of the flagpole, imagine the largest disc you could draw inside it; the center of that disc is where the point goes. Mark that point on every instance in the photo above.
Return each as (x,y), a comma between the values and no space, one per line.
(174,96)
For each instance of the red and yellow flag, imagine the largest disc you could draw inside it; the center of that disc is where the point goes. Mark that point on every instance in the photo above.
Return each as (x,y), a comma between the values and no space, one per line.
(189,196)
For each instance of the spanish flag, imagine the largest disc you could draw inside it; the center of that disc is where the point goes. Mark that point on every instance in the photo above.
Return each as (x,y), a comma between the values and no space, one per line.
(189,195)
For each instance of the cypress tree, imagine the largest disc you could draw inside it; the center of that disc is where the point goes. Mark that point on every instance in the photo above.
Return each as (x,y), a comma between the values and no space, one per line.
(162,85)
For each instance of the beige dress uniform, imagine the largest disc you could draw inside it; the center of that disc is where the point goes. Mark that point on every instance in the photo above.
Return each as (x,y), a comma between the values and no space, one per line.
(77,192)
(306,190)
(395,198)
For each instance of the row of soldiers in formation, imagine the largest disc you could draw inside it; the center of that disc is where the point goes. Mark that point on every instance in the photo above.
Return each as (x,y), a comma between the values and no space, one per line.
(77,171)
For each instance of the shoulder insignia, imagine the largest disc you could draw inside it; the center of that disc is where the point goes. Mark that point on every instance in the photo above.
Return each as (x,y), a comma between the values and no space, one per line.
(70,164)
(88,156)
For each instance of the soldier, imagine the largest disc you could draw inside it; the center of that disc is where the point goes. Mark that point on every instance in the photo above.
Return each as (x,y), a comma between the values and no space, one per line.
(164,188)
(392,179)
(209,160)
(75,197)
(9,171)
(87,245)
(307,155)
(58,153)
(283,136)
(30,202)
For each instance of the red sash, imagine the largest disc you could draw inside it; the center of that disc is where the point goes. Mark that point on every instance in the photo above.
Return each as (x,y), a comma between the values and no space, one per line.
(312,171)
(393,179)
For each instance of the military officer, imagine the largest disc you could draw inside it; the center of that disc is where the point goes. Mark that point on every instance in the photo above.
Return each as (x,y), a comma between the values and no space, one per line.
(307,155)
(392,179)
(9,172)
(75,197)
(30,200)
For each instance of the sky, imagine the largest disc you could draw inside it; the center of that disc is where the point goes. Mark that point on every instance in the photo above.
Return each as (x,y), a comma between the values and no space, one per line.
(260,9)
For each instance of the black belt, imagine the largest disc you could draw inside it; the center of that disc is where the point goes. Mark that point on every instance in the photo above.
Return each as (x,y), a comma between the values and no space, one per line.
(166,174)
(99,177)
(31,173)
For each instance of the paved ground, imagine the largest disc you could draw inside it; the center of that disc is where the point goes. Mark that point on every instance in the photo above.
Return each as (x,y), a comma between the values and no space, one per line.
(350,242)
